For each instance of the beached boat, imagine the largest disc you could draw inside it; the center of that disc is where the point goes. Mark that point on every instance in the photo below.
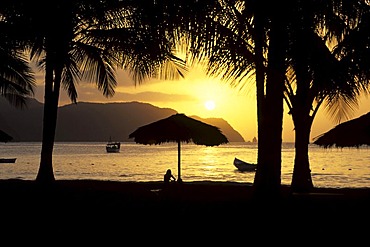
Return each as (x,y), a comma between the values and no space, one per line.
(113,147)
(244,166)
(8,160)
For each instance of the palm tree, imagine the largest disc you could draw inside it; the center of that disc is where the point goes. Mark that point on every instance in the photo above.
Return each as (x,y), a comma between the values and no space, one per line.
(250,37)
(246,40)
(87,40)
(318,75)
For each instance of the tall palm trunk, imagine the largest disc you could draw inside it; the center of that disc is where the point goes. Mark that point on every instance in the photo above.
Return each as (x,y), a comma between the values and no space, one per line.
(268,175)
(260,94)
(301,180)
(302,105)
(51,98)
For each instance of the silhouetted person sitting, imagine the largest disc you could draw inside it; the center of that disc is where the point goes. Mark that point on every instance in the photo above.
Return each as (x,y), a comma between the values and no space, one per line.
(168,177)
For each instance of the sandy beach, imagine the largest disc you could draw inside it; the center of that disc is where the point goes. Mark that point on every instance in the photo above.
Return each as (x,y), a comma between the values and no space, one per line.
(92,209)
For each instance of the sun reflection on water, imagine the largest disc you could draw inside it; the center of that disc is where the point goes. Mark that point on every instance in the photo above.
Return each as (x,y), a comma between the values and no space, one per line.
(135,162)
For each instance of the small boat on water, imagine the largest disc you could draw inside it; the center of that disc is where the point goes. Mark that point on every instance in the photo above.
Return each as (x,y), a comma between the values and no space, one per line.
(8,160)
(244,166)
(113,147)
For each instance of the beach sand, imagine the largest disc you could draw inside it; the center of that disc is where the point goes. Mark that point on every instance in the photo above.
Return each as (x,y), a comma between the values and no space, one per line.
(89,211)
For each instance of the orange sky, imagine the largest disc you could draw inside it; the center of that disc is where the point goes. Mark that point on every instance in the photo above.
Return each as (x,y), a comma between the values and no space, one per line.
(189,95)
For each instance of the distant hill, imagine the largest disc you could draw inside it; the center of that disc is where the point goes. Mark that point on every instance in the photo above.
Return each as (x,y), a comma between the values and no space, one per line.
(92,121)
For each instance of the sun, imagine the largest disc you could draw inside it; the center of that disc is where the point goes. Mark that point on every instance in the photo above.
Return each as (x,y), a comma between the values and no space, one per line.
(210,105)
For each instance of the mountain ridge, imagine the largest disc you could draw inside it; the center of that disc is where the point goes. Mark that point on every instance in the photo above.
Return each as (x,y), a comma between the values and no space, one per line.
(91,121)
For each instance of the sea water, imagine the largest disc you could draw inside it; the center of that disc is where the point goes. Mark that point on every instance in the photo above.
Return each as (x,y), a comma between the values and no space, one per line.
(336,168)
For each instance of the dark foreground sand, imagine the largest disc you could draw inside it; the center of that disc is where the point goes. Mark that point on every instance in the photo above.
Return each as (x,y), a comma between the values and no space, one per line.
(140,212)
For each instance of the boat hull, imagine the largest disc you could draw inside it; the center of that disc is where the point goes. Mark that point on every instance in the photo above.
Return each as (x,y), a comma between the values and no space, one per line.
(8,160)
(113,147)
(244,166)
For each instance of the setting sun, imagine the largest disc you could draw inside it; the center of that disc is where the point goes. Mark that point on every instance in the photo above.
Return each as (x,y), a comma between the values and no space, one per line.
(210,105)
(195,95)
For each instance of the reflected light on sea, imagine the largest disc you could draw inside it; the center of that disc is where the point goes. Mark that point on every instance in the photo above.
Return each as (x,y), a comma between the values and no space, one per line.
(347,167)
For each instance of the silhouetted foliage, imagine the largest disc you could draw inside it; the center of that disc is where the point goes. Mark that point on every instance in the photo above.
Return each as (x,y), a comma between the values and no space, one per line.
(86,40)
(17,80)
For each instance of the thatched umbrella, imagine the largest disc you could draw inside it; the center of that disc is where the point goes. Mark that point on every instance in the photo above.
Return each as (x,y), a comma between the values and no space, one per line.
(353,133)
(4,137)
(179,128)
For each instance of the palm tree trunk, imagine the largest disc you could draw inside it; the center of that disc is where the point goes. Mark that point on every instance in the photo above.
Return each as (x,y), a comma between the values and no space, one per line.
(260,95)
(301,179)
(302,105)
(268,175)
(52,88)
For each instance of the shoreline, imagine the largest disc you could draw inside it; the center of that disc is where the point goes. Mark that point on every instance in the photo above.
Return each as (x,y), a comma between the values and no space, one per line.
(97,206)
(201,191)
(329,168)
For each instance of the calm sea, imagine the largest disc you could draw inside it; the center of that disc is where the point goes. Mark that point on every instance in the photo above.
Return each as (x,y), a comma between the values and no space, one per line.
(337,168)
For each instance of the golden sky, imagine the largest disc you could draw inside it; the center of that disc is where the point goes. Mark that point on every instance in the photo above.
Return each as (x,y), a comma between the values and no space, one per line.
(190,95)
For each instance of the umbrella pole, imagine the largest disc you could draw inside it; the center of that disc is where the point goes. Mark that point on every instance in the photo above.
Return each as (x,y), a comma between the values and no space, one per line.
(178,162)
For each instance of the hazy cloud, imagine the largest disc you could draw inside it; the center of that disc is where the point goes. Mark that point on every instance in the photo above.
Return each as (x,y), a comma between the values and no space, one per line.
(154,97)
(90,93)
